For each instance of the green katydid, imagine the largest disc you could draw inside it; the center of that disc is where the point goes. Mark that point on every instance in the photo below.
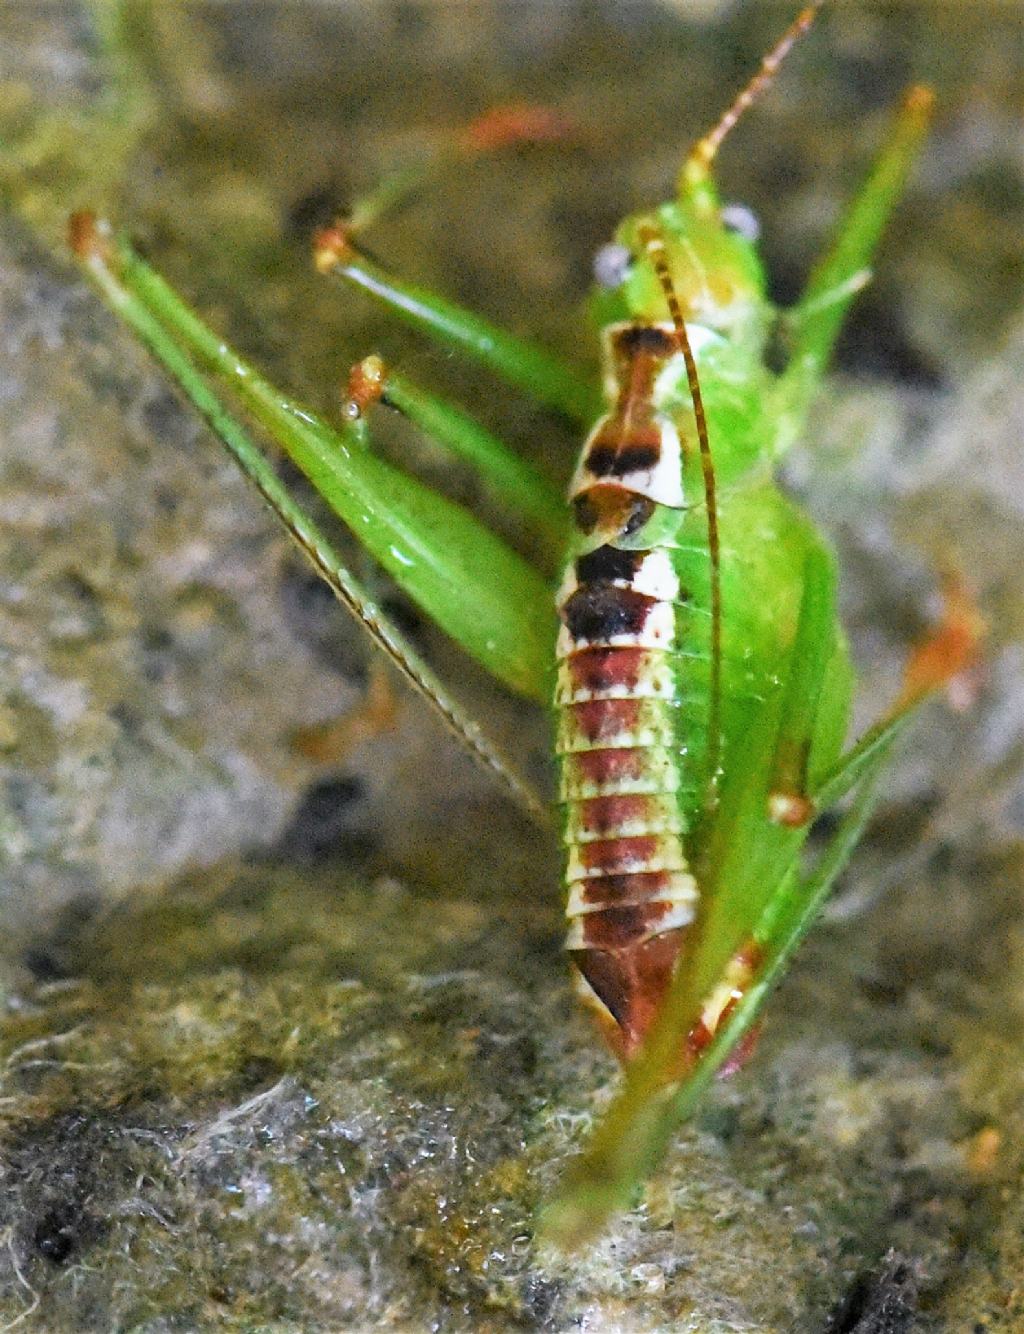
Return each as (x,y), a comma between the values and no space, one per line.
(699,674)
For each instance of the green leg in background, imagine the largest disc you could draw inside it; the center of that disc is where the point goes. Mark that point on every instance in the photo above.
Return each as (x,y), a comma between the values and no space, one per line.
(813,324)
(521,362)
(530,499)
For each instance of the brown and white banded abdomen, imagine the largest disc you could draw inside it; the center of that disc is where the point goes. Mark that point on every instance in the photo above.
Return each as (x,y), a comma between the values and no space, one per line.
(621,712)
(630,892)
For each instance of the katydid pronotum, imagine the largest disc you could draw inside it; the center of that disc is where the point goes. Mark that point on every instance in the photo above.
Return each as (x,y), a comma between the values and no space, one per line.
(699,674)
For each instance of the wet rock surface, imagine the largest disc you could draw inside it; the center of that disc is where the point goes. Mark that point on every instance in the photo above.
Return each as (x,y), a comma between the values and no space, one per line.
(288,1044)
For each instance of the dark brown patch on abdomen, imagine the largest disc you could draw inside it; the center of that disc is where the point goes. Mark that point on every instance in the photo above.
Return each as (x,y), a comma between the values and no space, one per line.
(643,451)
(606,564)
(619,856)
(602,611)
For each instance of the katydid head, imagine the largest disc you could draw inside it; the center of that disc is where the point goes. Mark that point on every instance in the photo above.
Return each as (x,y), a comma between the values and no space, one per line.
(708,250)
(715,269)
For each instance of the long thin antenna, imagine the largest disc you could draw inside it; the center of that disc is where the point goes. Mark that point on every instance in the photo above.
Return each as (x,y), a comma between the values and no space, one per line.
(702,154)
(655,248)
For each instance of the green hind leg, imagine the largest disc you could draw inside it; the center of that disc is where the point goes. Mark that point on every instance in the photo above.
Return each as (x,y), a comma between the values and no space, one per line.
(179,341)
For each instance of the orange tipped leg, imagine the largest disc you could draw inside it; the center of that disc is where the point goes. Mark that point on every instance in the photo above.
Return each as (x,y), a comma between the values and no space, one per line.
(951,654)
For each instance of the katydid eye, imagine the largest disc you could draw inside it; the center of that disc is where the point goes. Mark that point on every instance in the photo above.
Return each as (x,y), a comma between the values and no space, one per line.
(611,264)
(741,220)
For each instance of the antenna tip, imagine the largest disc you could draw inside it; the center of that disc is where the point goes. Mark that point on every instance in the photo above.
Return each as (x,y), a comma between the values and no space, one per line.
(697,167)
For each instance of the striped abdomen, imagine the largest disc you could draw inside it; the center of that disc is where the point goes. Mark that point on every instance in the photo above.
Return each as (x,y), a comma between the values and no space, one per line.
(631,896)
(630,893)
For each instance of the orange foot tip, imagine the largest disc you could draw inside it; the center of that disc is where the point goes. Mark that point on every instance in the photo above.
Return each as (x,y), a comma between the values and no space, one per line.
(332,742)
(515,123)
(365,386)
(919,100)
(951,652)
(88,236)
(331,246)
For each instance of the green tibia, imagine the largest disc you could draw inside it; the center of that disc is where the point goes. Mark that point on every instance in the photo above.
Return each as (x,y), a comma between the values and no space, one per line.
(521,362)
(815,320)
(816,642)
(512,482)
